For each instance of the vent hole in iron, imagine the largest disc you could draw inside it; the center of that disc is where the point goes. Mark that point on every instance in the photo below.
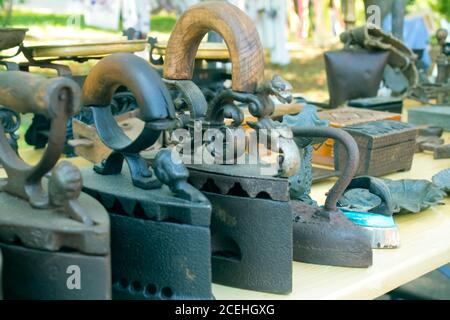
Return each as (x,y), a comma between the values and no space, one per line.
(151,289)
(225,247)
(210,186)
(17,242)
(263,195)
(238,191)
(139,212)
(117,208)
(167,292)
(136,286)
(172,220)
(123,283)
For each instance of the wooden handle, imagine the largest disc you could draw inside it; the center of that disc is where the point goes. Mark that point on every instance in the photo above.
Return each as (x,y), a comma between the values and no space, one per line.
(235,27)
(29,93)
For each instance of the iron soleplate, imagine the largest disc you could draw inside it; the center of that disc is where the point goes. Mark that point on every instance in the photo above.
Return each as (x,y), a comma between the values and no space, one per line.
(334,241)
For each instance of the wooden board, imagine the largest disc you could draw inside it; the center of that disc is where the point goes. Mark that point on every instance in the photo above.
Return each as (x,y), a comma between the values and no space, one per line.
(206,51)
(87,48)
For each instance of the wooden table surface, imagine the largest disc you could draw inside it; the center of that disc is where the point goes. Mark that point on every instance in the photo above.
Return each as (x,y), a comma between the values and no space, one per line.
(425,246)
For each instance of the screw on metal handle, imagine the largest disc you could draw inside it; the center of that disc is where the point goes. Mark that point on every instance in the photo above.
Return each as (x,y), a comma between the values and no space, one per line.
(352,159)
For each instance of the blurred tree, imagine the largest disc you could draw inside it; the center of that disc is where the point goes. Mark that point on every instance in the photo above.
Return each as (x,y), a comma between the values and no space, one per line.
(441,6)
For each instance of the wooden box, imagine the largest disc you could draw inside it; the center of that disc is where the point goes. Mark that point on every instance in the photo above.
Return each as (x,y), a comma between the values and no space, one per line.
(340,118)
(384,146)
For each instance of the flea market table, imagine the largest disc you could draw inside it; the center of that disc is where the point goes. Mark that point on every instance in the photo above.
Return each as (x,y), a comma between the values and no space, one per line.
(425,246)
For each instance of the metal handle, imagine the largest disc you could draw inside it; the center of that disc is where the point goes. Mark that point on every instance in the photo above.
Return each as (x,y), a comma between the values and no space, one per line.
(352,159)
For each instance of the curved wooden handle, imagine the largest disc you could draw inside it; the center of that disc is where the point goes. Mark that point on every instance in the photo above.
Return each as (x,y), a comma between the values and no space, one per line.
(239,33)
(138,76)
(29,93)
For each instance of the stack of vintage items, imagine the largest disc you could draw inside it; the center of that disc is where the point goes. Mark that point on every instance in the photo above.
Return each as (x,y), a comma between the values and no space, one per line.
(160,224)
(191,184)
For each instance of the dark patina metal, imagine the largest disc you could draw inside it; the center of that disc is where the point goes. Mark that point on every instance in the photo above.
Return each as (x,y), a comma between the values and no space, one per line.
(381,202)
(160,223)
(251,227)
(301,182)
(11,37)
(49,223)
(413,196)
(10,121)
(325,235)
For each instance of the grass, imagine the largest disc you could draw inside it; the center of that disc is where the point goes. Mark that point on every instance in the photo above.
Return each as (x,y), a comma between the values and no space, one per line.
(159,23)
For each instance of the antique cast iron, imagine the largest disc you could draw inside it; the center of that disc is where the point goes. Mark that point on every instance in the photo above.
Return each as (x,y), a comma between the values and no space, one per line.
(48,228)
(251,225)
(325,235)
(160,233)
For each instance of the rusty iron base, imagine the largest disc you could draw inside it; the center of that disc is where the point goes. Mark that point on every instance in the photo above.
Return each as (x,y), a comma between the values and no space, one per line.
(251,233)
(332,240)
(160,244)
(30,274)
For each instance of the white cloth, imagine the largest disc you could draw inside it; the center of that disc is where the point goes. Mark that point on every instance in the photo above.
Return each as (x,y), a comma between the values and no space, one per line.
(270,17)
(136,15)
(102,13)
